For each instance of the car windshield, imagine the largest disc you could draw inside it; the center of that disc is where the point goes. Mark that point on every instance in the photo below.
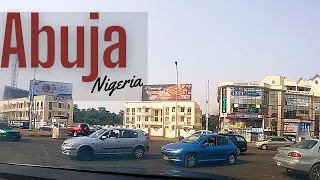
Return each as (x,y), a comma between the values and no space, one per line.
(97,133)
(5,126)
(305,144)
(194,139)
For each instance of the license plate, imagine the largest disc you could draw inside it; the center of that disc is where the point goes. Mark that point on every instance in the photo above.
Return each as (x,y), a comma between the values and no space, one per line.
(165,158)
(278,163)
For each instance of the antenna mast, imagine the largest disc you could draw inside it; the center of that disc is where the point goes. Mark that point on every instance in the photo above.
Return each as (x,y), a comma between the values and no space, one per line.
(15,72)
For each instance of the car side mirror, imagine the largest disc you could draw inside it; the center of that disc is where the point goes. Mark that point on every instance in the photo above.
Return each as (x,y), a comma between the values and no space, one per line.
(103,137)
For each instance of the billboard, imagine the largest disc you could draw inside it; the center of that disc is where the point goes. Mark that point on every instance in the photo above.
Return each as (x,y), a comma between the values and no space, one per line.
(14,93)
(166,92)
(291,127)
(224,100)
(57,89)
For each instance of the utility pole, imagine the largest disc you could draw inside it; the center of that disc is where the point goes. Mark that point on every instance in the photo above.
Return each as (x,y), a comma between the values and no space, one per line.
(31,112)
(207,106)
(176,126)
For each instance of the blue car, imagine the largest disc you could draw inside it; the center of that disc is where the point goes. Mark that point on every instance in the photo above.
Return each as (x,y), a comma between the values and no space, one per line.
(200,148)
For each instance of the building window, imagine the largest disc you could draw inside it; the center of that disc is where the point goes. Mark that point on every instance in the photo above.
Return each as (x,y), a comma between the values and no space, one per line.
(182,109)
(189,121)
(156,112)
(146,119)
(138,118)
(133,120)
(133,111)
(167,110)
(173,118)
(127,120)
(50,106)
(166,118)
(273,81)
(189,110)
(316,82)
(181,119)
(139,110)
(173,109)
(147,110)
(156,119)
(297,106)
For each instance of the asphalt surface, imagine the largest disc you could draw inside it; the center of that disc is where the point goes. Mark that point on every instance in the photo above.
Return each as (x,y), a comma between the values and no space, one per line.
(254,164)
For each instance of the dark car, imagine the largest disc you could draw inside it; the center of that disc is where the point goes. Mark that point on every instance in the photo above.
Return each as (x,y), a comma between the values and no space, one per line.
(239,141)
(8,133)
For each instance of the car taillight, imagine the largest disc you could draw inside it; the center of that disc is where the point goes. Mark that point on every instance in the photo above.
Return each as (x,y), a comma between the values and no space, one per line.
(294,154)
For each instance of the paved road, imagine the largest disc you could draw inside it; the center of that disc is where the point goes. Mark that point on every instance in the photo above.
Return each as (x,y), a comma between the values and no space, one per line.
(255,164)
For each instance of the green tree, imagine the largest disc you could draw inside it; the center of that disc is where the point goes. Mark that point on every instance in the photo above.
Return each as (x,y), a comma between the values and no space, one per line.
(213,122)
(97,116)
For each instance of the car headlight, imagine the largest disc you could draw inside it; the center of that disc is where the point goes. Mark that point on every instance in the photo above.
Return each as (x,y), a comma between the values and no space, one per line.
(69,144)
(177,150)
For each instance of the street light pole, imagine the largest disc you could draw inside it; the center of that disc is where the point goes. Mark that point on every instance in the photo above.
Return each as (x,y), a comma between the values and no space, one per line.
(32,99)
(176,126)
(207,107)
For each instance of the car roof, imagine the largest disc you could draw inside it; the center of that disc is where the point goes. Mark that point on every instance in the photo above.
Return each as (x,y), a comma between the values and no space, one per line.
(118,128)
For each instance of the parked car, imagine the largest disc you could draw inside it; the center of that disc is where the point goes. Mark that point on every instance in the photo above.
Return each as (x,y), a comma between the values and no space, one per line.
(47,127)
(77,129)
(8,133)
(273,143)
(301,157)
(107,141)
(25,125)
(200,148)
(239,141)
(197,132)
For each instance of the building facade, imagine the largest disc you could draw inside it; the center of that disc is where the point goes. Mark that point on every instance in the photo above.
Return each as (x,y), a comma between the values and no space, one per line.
(159,118)
(275,105)
(44,108)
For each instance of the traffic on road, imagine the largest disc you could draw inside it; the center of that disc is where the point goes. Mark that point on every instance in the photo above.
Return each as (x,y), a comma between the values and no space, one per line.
(223,154)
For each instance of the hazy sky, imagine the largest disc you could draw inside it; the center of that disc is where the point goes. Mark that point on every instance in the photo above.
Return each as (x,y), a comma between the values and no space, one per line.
(215,40)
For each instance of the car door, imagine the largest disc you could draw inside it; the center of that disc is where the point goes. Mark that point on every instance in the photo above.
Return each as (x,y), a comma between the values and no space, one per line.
(273,143)
(207,151)
(110,145)
(281,142)
(222,148)
(128,140)
(241,142)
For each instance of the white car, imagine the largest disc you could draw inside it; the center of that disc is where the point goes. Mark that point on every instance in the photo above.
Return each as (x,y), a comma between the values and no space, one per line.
(197,132)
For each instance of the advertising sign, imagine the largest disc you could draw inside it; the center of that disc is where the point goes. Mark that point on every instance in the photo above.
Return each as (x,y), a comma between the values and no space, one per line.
(224,100)
(57,89)
(291,127)
(305,127)
(163,92)
(246,110)
(245,93)
(242,115)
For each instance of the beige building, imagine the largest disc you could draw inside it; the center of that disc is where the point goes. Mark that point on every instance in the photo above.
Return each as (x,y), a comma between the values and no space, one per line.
(159,118)
(276,105)
(45,107)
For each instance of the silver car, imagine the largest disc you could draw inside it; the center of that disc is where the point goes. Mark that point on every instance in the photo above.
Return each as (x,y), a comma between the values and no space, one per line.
(107,141)
(273,143)
(301,157)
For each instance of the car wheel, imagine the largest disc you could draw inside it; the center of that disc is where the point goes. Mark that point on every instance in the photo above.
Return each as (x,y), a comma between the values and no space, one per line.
(85,154)
(138,152)
(314,172)
(231,159)
(75,134)
(264,147)
(190,160)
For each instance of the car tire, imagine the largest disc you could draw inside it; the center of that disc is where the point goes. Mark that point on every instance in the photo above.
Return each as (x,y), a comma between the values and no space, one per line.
(314,172)
(138,152)
(75,134)
(85,154)
(264,147)
(231,159)
(190,160)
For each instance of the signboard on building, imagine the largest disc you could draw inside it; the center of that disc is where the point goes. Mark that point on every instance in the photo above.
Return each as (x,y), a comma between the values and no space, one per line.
(291,127)
(245,93)
(246,84)
(243,115)
(166,92)
(224,100)
(298,92)
(305,127)
(57,89)
(246,110)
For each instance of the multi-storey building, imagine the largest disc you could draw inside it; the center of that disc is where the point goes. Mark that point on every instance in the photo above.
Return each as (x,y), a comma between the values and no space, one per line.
(44,108)
(275,105)
(159,118)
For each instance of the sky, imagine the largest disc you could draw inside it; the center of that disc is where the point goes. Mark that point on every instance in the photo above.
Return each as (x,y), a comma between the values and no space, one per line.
(211,40)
